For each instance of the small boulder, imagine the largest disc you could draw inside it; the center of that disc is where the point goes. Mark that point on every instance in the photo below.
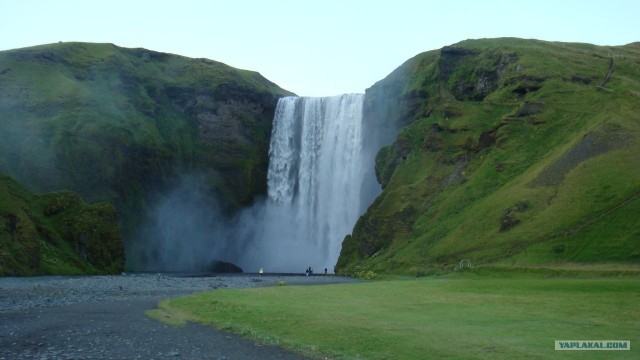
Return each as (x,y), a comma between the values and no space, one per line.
(530,108)
(508,221)
(224,267)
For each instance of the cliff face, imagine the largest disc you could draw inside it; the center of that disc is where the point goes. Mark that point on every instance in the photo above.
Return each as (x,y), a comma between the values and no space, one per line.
(56,233)
(510,154)
(123,125)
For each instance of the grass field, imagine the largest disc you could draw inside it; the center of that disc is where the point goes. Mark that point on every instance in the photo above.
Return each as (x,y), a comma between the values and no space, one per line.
(465,317)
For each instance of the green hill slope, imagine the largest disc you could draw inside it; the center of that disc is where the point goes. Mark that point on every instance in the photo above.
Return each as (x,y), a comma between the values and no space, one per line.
(123,125)
(56,233)
(511,155)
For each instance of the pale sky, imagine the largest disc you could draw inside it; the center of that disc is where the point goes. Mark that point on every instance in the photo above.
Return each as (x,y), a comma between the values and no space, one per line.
(313,48)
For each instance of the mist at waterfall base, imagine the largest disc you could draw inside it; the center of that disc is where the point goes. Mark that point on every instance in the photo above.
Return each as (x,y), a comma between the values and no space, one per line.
(320,180)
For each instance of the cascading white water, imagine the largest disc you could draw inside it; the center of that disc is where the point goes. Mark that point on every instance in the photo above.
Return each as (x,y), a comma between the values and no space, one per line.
(316,171)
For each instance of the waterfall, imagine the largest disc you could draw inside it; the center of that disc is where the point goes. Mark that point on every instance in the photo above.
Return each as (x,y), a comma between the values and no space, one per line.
(317,169)
(320,180)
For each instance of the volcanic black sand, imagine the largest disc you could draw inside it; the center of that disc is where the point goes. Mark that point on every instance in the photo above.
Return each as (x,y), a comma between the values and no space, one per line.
(103,317)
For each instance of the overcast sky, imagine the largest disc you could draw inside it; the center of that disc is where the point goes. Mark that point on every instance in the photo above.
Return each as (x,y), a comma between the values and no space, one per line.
(313,48)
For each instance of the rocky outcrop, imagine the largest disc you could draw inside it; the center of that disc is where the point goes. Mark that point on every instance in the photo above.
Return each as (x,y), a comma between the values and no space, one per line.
(510,218)
(472,74)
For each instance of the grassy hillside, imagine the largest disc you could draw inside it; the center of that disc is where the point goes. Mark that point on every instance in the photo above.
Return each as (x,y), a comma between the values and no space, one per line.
(511,154)
(122,125)
(56,233)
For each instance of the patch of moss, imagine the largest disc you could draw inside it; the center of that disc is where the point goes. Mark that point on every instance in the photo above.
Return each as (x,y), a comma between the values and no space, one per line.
(56,234)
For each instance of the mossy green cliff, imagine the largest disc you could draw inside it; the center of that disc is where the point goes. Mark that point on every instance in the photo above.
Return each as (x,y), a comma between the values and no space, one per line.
(512,152)
(56,233)
(123,125)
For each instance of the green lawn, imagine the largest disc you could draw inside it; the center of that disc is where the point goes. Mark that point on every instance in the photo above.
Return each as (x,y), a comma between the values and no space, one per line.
(438,318)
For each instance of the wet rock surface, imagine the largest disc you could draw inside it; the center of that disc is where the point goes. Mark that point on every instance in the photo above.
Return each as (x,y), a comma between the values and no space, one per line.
(103,317)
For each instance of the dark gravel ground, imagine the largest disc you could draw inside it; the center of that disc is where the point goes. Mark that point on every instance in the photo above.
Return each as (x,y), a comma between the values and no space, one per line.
(102,317)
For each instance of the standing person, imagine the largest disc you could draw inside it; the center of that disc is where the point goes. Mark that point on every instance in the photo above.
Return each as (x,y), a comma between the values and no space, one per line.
(261,271)
(325,271)
(307,271)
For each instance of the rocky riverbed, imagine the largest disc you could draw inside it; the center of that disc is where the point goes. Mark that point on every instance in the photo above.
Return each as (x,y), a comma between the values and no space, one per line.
(102,317)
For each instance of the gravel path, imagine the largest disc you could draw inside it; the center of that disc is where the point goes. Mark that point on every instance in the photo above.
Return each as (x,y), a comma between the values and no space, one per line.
(102,317)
